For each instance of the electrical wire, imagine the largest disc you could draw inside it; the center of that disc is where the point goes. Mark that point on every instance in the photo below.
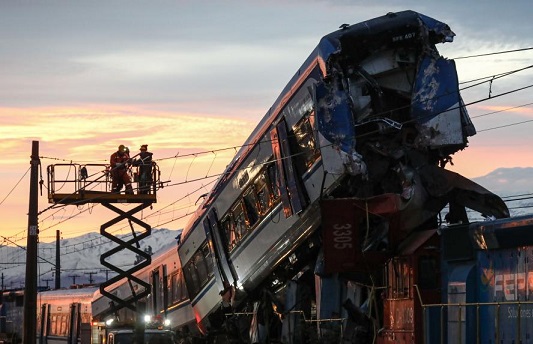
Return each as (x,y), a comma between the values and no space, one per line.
(493,53)
(14,187)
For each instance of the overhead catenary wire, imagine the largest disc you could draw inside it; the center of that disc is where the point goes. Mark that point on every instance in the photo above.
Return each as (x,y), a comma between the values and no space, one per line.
(14,187)
(493,53)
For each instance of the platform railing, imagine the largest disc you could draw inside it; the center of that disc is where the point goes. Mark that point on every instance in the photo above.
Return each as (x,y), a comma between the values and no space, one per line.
(74,181)
(467,323)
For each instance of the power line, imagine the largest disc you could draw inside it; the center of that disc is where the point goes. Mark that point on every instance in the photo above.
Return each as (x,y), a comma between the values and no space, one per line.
(504,110)
(493,53)
(506,125)
(9,193)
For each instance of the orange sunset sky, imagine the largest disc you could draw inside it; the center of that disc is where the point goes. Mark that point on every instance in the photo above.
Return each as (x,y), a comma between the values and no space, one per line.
(196,77)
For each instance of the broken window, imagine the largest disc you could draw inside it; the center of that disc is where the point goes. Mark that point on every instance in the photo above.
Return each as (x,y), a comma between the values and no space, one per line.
(306,146)
(274,182)
(240,221)
(250,204)
(229,230)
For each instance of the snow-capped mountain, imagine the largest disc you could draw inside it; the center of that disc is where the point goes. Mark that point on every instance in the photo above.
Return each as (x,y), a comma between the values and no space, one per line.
(513,185)
(79,259)
(508,181)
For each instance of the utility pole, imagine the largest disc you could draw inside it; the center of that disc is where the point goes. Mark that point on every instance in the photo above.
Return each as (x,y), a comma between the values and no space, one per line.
(107,271)
(47,280)
(74,278)
(91,276)
(58,263)
(2,281)
(30,294)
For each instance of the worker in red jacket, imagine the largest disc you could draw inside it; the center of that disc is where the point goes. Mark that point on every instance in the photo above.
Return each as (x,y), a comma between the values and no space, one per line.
(119,164)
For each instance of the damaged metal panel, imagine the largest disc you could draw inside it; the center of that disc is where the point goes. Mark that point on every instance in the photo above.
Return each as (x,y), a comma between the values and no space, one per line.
(384,75)
(437,105)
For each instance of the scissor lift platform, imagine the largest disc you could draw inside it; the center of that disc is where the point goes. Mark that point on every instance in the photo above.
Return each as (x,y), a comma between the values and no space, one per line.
(80,184)
(100,197)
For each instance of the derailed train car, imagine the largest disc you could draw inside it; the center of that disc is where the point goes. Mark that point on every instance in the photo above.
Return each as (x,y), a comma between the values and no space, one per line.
(347,166)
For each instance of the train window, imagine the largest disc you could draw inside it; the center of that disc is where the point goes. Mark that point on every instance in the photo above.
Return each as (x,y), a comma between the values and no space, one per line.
(250,204)
(240,221)
(39,317)
(303,132)
(19,301)
(264,193)
(177,287)
(155,290)
(198,270)
(400,278)
(229,230)
(173,287)
(193,285)
(273,178)
(86,318)
(53,325)
(182,291)
(201,267)
(64,322)
(428,274)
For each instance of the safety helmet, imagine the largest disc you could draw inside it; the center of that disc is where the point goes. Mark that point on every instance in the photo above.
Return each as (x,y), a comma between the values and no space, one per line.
(121,148)
(144,147)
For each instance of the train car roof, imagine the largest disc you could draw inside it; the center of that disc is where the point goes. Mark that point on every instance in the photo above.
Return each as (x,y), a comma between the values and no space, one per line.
(157,257)
(88,292)
(361,40)
(503,233)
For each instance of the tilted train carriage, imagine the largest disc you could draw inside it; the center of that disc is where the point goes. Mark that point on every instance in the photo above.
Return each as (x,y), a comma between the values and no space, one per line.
(346,166)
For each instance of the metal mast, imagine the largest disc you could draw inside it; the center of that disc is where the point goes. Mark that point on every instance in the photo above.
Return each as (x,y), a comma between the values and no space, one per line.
(30,293)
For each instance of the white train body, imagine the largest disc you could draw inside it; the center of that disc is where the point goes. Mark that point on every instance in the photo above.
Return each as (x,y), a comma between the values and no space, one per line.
(168,299)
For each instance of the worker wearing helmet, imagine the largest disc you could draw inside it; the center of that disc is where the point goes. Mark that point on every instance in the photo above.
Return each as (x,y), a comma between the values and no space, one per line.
(144,163)
(119,163)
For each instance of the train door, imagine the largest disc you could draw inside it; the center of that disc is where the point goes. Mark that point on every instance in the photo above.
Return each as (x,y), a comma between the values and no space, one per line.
(74,323)
(164,294)
(293,196)
(218,245)
(156,292)
(44,323)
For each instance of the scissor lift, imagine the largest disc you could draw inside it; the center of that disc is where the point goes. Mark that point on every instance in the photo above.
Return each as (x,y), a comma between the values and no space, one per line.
(77,184)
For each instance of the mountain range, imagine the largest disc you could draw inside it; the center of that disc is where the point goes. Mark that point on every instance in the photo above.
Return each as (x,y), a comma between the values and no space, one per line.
(80,256)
